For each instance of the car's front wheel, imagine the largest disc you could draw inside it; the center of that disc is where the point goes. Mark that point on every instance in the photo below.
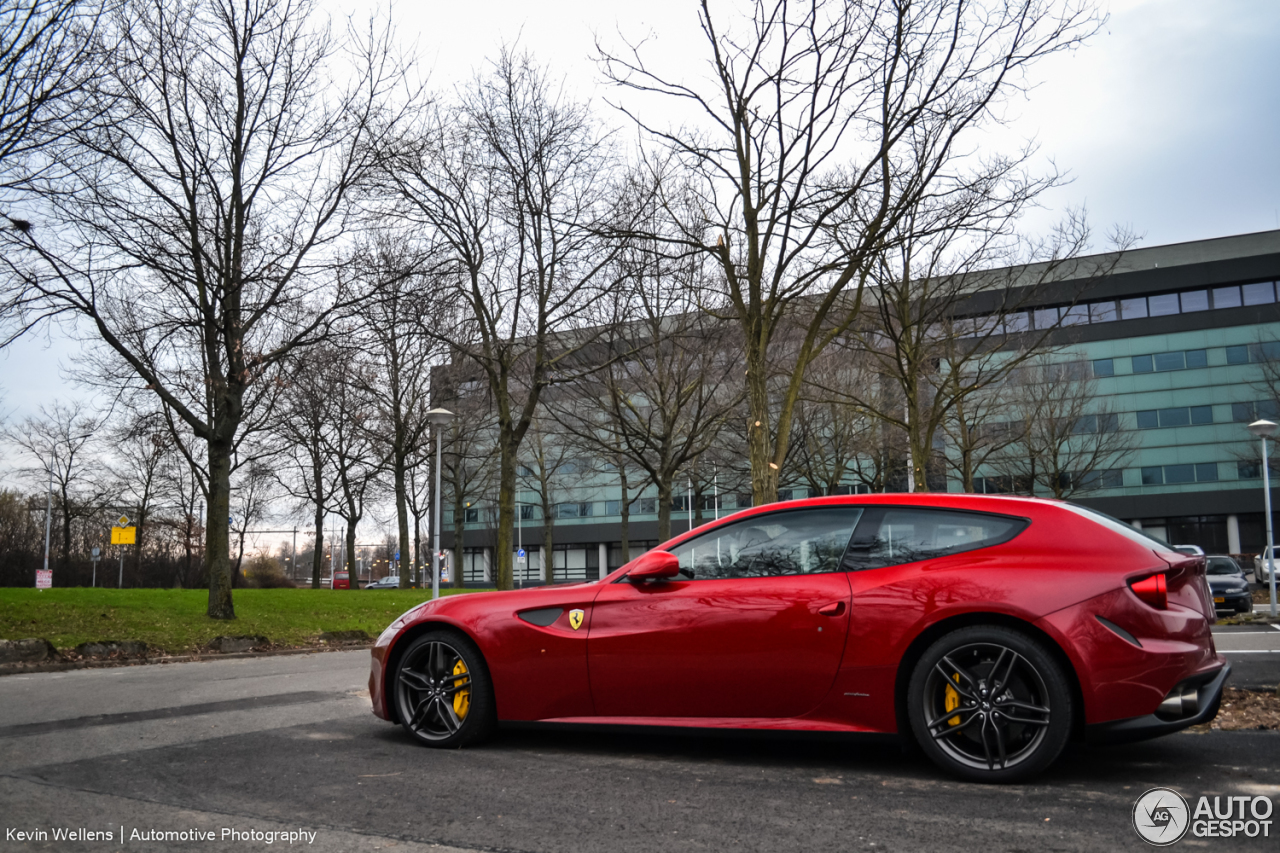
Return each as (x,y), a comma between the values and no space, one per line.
(443,694)
(990,704)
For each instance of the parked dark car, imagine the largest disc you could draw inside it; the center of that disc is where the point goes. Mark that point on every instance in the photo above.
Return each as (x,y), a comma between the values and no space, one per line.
(1228,585)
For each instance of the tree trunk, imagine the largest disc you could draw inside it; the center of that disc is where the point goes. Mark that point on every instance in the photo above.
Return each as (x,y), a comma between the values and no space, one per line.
(317,556)
(764,470)
(217,536)
(353,573)
(506,513)
(664,509)
(624,530)
(405,563)
(459,520)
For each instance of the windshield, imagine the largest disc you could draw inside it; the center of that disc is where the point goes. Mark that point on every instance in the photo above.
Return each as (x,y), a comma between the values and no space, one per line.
(1222,566)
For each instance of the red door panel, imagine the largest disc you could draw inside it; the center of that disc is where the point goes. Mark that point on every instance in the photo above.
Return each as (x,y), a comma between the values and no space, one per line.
(734,647)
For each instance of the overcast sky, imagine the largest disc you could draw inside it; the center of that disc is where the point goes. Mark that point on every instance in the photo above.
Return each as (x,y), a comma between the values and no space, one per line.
(1168,119)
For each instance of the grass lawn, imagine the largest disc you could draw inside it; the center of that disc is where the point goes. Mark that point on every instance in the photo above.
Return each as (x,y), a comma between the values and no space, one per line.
(174,619)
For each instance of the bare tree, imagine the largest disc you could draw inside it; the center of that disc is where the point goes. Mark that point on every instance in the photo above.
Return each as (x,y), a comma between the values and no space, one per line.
(396,322)
(831,433)
(669,382)
(302,433)
(979,431)
(46,67)
(1070,442)
(547,456)
(198,220)
(251,497)
(61,439)
(354,443)
(142,449)
(824,126)
(511,184)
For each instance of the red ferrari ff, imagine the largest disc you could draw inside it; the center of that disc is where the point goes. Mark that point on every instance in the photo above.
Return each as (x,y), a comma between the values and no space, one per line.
(989,629)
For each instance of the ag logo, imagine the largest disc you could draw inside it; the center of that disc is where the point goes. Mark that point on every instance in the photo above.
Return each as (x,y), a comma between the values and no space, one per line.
(1160,816)
(575,619)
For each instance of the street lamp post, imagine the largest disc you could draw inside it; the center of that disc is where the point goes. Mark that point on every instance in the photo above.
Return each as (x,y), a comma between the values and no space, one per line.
(439,418)
(1265,429)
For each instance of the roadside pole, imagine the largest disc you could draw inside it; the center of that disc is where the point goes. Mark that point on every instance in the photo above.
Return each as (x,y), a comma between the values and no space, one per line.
(122,534)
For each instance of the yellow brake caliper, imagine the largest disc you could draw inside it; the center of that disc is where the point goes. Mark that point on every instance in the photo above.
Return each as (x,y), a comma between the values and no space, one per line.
(952,701)
(462,699)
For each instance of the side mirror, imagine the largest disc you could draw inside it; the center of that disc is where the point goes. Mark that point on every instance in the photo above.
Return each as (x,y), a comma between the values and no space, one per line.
(654,565)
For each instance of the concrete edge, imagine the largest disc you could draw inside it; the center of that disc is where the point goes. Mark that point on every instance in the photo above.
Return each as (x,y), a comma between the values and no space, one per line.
(63,666)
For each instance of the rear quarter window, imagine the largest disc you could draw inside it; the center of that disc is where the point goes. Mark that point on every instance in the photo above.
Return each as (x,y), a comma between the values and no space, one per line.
(890,536)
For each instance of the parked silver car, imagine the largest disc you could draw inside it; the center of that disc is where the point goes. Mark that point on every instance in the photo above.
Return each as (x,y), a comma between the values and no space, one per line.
(1260,571)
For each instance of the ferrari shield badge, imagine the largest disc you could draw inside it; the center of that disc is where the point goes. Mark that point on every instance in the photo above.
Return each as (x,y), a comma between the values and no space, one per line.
(575,619)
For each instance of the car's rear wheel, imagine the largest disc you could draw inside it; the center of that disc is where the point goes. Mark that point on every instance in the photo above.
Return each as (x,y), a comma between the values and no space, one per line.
(443,694)
(990,704)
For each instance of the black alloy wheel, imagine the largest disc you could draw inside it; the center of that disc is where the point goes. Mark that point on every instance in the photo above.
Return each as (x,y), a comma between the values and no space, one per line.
(990,704)
(443,694)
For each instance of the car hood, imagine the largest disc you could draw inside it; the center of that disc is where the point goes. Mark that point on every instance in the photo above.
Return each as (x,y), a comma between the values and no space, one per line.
(1228,582)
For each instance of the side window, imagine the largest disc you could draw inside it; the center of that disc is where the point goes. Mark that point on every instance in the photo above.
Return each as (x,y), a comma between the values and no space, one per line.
(789,542)
(892,536)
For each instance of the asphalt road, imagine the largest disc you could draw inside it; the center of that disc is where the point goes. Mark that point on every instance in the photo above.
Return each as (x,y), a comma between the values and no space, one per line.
(288,744)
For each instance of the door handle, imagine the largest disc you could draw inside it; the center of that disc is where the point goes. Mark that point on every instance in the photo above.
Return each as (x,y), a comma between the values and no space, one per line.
(833,609)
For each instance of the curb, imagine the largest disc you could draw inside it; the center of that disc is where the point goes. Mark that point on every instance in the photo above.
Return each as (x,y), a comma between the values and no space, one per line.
(63,666)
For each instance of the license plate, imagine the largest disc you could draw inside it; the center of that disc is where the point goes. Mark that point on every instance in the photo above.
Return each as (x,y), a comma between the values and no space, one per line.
(1217,599)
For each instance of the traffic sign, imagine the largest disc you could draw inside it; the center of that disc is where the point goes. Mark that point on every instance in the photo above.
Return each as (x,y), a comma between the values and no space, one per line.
(521,554)
(95,553)
(122,521)
(44,578)
(124,535)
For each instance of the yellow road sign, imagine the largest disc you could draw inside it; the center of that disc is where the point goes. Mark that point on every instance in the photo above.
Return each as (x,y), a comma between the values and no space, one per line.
(122,521)
(124,535)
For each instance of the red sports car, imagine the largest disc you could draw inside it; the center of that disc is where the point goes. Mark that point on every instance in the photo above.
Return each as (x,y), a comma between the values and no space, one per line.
(990,629)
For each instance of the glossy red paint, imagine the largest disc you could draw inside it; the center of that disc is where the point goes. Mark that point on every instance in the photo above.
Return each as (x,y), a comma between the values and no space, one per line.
(830,652)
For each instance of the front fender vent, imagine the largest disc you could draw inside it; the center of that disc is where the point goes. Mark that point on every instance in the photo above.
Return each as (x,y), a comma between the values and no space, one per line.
(541,617)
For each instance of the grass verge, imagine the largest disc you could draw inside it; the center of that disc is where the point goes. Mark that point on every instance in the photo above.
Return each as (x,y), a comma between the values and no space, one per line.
(174,619)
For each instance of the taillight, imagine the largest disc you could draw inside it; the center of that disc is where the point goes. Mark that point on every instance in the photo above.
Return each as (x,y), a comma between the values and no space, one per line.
(1152,590)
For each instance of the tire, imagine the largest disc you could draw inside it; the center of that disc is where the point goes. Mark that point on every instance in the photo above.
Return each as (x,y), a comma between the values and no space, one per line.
(1012,703)
(442,691)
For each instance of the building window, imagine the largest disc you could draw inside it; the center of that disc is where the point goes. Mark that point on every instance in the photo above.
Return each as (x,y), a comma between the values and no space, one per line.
(1226,297)
(1194,300)
(528,512)
(1045,318)
(1133,309)
(1253,470)
(1102,312)
(612,508)
(1237,355)
(1261,293)
(1163,361)
(1172,475)
(1104,367)
(1163,304)
(1247,413)
(1076,315)
(1111,478)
